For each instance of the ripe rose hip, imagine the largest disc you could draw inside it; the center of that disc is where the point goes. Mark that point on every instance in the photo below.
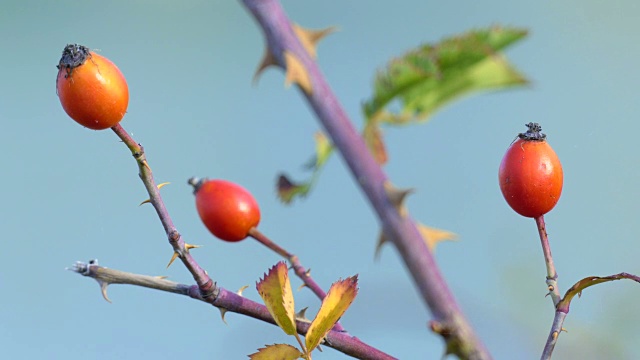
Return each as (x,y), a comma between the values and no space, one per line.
(91,88)
(228,210)
(530,174)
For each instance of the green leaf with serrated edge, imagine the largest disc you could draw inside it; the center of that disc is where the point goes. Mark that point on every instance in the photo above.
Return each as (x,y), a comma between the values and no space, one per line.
(277,351)
(578,287)
(337,301)
(275,290)
(430,76)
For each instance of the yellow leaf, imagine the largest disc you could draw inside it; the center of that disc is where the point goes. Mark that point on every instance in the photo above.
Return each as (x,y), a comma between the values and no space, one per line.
(433,236)
(337,301)
(296,73)
(277,351)
(275,290)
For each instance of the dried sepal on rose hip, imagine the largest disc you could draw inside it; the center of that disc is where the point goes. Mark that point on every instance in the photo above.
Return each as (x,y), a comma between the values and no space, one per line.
(530,174)
(227,209)
(91,88)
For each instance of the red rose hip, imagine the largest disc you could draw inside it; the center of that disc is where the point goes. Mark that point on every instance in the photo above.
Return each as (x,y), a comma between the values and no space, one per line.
(227,209)
(530,174)
(91,88)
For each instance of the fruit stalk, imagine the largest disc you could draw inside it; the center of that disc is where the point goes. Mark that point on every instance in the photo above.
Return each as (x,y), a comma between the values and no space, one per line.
(552,275)
(300,271)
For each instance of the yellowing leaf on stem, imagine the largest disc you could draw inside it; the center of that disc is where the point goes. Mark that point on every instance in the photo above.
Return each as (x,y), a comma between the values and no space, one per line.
(578,287)
(277,351)
(337,301)
(275,290)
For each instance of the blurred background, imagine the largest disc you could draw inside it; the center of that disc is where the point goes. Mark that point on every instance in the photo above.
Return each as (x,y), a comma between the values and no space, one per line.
(69,193)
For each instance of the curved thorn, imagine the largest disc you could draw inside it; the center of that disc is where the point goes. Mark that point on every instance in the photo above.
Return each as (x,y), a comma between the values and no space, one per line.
(267,60)
(239,292)
(222,313)
(103,290)
(173,258)
(160,186)
(302,315)
(310,38)
(382,239)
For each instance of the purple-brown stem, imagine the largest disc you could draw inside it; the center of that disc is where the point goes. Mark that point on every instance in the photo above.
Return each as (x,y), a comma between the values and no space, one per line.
(556,329)
(401,230)
(229,301)
(552,275)
(302,273)
(205,284)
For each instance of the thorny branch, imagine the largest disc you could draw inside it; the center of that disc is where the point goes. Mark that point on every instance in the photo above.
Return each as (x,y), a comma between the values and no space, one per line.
(226,301)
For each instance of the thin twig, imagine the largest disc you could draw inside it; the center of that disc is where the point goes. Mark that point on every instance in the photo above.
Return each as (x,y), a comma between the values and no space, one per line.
(206,285)
(556,329)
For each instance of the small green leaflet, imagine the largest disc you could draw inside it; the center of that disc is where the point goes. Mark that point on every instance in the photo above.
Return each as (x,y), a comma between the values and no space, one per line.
(426,78)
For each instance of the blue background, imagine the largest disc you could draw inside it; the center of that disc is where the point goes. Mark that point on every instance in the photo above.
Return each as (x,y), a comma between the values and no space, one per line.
(69,193)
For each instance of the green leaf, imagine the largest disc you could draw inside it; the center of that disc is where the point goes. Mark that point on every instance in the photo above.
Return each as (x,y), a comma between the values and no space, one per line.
(578,287)
(275,290)
(425,79)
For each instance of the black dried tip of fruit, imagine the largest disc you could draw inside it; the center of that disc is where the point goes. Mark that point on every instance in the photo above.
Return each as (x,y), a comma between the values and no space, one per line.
(196,183)
(73,56)
(533,133)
